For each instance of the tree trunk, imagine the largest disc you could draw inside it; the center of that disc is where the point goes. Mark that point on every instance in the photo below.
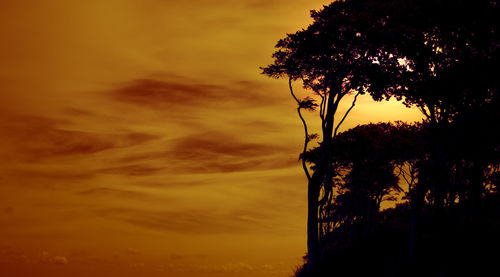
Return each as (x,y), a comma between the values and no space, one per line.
(312,223)
(417,204)
(476,186)
(314,185)
(438,167)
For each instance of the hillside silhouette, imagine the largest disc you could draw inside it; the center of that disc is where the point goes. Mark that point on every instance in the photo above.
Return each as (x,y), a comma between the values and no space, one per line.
(465,246)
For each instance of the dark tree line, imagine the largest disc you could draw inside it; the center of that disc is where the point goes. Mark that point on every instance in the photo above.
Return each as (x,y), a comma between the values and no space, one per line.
(439,56)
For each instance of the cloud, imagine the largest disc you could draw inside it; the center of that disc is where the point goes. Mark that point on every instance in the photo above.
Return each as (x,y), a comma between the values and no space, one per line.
(48,174)
(46,258)
(208,152)
(34,138)
(211,143)
(219,152)
(132,170)
(106,192)
(263,125)
(163,94)
(234,268)
(40,137)
(265,4)
(9,254)
(60,260)
(190,221)
(235,166)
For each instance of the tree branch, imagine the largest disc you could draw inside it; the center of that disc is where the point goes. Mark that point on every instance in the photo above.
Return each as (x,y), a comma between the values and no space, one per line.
(424,111)
(323,116)
(345,115)
(306,140)
(322,105)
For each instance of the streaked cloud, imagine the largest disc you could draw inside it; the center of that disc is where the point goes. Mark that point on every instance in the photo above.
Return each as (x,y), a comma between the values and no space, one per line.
(46,258)
(189,221)
(176,95)
(35,138)
(112,192)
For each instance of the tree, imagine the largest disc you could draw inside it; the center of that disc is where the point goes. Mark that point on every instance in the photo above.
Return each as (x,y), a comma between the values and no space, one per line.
(367,155)
(371,177)
(332,59)
(437,55)
(448,52)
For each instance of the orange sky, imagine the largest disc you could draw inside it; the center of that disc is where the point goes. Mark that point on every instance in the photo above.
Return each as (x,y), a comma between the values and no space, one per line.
(138,138)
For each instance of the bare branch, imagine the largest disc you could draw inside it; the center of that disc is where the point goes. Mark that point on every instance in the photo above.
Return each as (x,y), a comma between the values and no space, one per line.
(321,109)
(423,110)
(345,115)
(306,140)
(322,105)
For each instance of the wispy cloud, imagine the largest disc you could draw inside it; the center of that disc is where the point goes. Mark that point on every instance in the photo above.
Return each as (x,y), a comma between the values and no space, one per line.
(35,138)
(164,94)
(192,221)
(112,192)
(46,258)
(132,170)
(210,152)
(10,254)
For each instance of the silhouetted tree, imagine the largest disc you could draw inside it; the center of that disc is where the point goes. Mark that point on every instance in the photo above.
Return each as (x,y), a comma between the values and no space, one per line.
(331,59)
(437,55)
(448,54)
(367,156)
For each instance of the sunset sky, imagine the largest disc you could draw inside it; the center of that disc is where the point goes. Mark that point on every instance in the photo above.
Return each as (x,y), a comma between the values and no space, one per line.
(138,138)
